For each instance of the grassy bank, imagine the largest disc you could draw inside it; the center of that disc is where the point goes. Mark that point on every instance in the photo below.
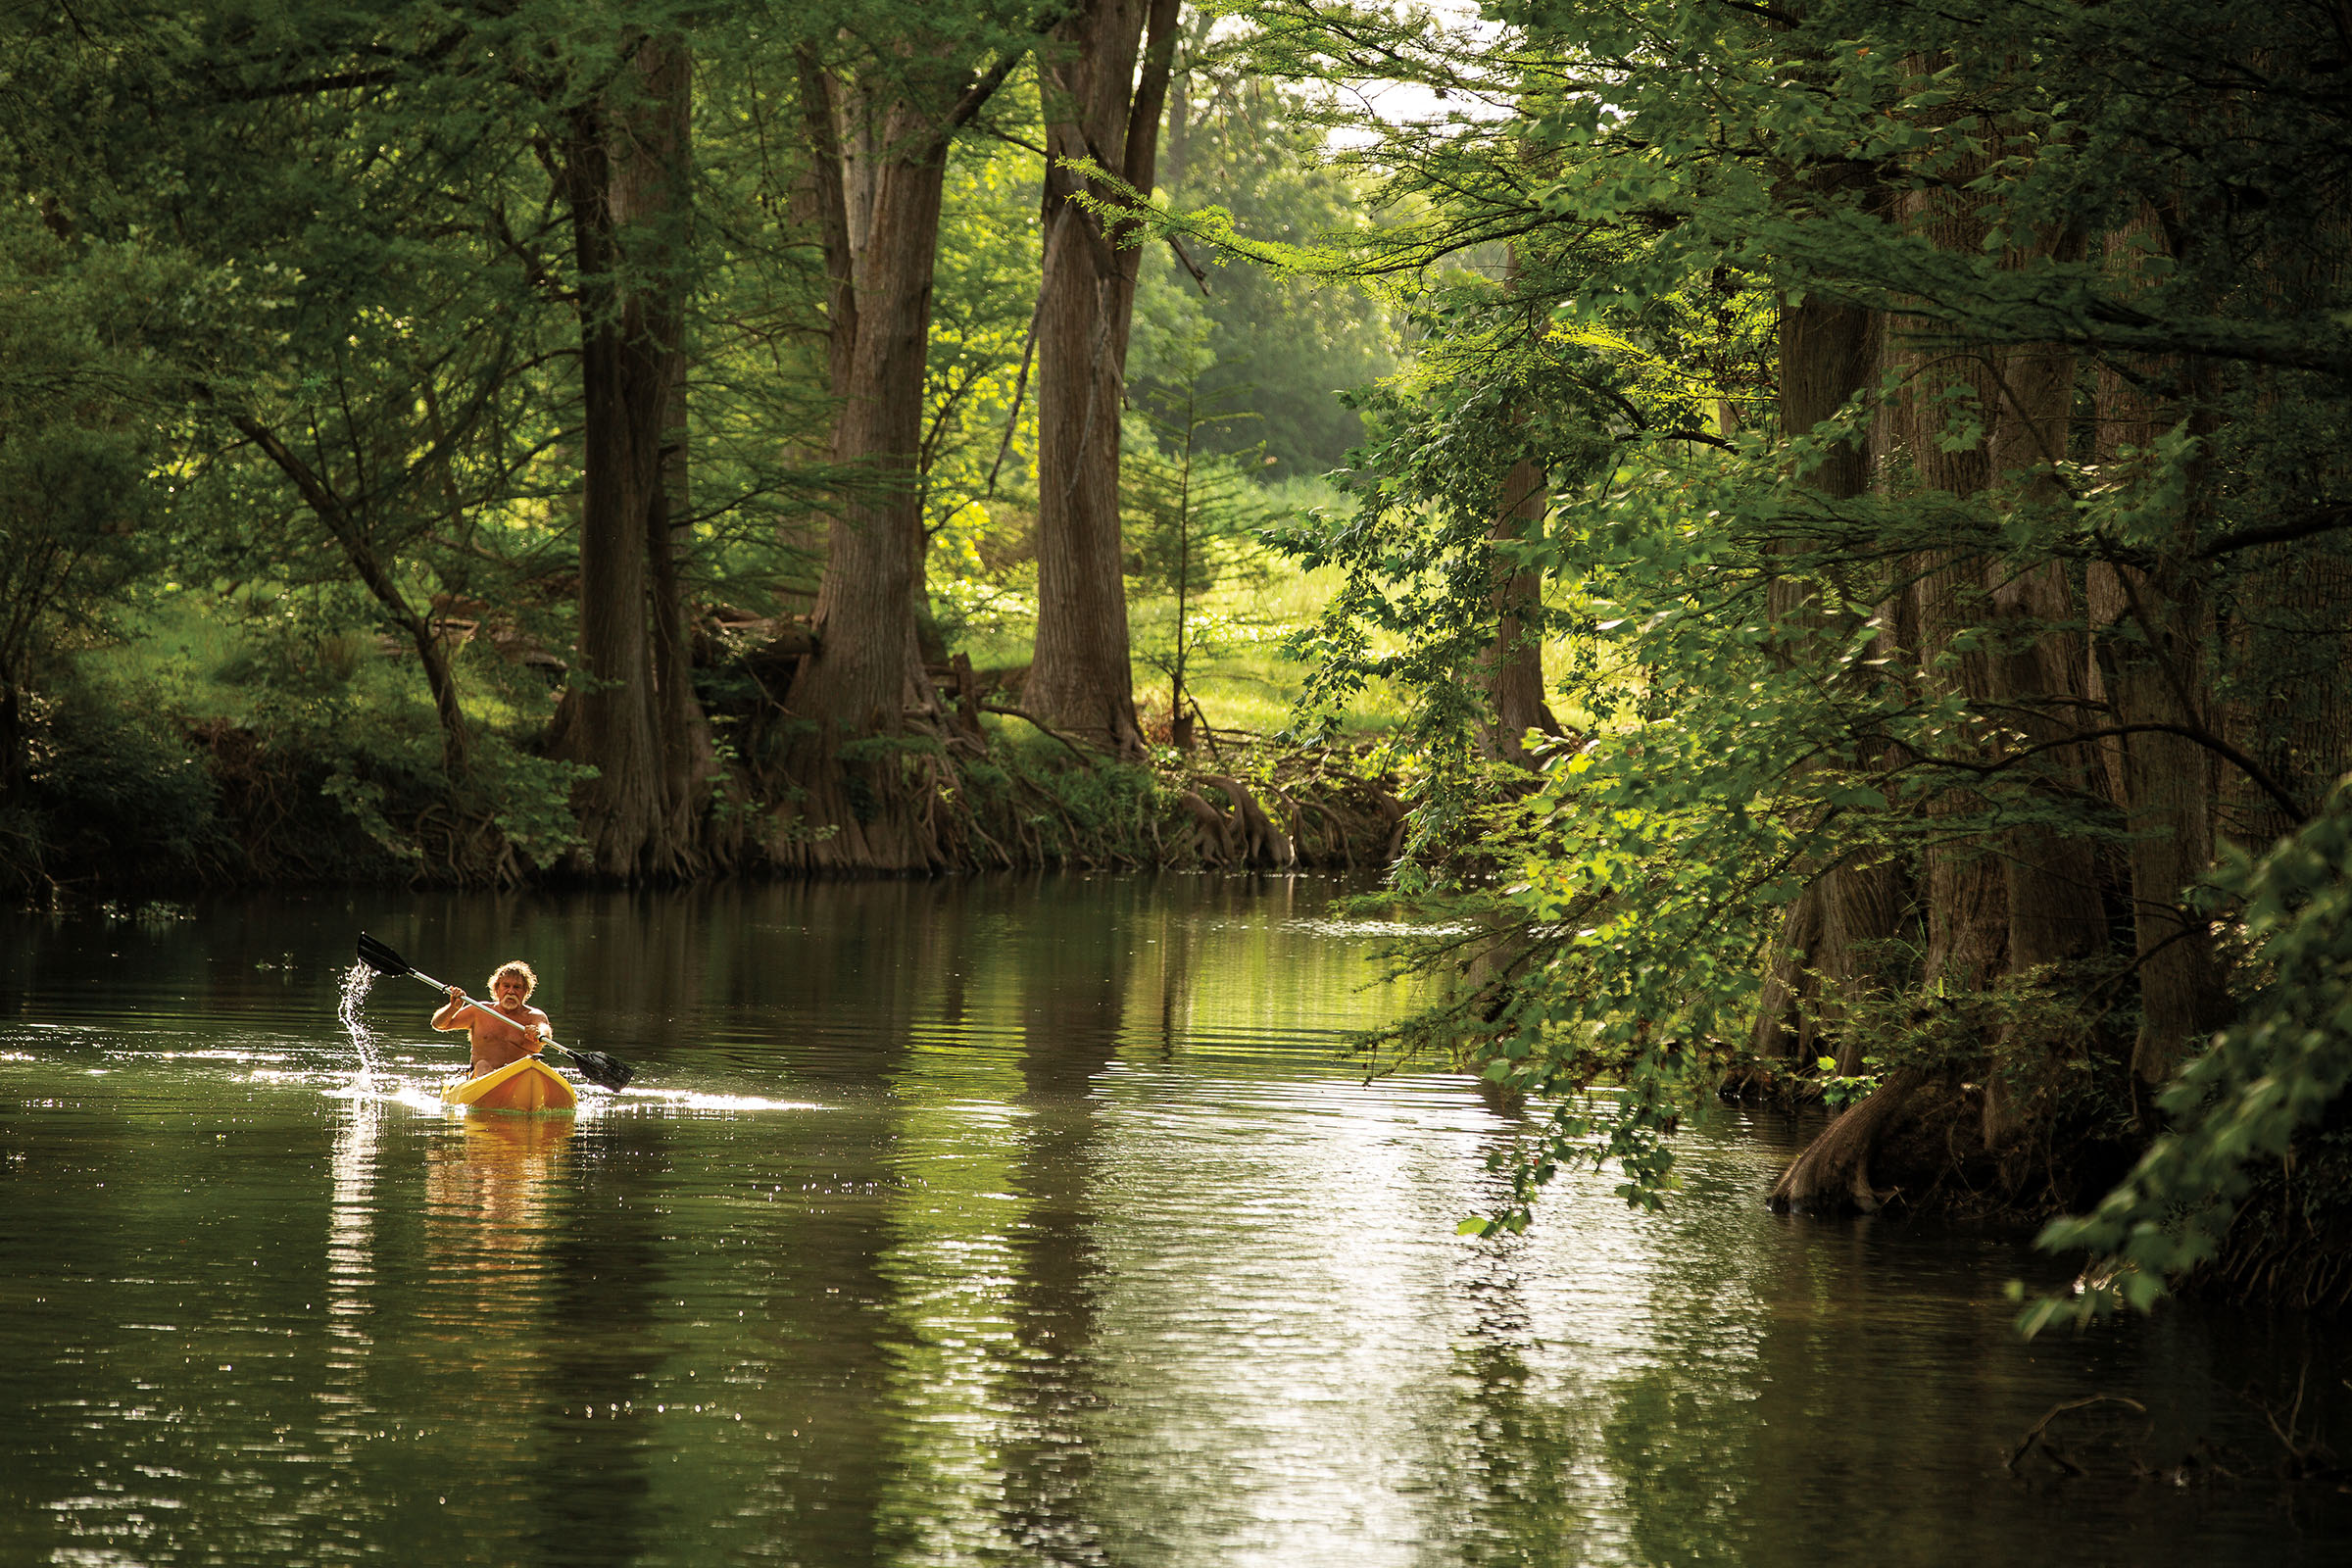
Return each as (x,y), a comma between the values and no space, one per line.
(235,737)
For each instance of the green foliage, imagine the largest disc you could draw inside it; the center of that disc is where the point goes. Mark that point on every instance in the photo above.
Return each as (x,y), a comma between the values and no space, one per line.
(979,459)
(1283,347)
(2266,1080)
(527,799)
(1766,703)
(1190,524)
(110,789)
(1841,1090)
(77,440)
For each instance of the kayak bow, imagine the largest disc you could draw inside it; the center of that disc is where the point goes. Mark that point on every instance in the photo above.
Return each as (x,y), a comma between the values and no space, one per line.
(524,1084)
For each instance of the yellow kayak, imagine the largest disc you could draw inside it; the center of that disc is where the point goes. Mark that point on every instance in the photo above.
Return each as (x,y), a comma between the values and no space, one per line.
(524,1084)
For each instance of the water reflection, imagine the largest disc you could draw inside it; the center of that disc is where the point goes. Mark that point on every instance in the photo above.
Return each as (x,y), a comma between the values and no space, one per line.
(948,1258)
(487,1193)
(607,1277)
(351,1276)
(1007,1222)
(1074,993)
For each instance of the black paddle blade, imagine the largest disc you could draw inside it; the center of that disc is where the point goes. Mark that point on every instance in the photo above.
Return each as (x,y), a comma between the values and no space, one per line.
(602,1070)
(382,959)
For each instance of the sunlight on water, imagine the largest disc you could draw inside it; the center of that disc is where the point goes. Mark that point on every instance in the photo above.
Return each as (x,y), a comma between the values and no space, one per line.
(219,1056)
(425,1097)
(985,1222)
(1372,928)
(630,1099)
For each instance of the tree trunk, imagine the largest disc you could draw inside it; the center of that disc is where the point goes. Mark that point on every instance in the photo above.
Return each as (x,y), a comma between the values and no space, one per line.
(1513,666)
(855,684)
(2150,630)
(878,193)
(631,712)
(2055,913)
(1098,106)
(2164,784)
(1832,1174)
(1828,352)
(652,183)
(2030,898)
(1966,894)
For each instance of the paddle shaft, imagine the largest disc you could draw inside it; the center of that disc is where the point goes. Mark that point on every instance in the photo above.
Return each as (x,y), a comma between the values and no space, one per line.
(600,1068)
(420,975)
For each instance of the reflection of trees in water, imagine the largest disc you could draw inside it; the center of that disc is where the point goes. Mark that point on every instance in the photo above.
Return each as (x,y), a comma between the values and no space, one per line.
(842,971)
(988,1262)
(1699,1439)
(1546,1461)
(1073,991)
(1518,1483)
(603,1280)
(640,973)
(1865,1372)
(1513,1453)
(1171,953)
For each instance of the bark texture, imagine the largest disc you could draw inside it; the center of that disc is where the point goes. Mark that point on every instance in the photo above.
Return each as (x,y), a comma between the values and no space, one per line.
(631,712)
(879,148)
(1829,351)
(2000,903)
(1105,83)
(2150,627)
(1513,668)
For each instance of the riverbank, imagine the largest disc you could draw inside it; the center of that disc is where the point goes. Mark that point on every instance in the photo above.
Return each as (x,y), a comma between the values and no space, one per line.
(122,802)
(128,806)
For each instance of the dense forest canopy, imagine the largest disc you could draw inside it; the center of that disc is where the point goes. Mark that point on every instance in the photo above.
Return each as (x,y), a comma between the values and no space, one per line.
(1833,513)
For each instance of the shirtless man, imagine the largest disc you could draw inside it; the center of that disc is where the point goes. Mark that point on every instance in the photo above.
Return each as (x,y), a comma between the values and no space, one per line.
(509,1032)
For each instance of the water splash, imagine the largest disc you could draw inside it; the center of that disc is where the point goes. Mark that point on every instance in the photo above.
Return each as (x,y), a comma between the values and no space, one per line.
(356,984)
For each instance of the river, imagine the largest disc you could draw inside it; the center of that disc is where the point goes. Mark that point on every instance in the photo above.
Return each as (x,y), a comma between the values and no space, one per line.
(1032,1221)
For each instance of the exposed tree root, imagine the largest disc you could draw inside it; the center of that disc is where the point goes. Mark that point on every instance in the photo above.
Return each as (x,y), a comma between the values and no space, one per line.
(1043,728)
(1257,841)
(942,794)
(2040,1438)
(1835,1174)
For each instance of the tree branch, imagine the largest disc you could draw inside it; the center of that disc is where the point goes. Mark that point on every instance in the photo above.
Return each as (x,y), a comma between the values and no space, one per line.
(1768,12)
(2213,743)
(2326,519)
(1013,713)
(984,87)
(1199,276)
(344,80)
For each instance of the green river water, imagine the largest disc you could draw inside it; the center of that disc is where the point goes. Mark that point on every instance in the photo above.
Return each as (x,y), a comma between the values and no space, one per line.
(1036,1221)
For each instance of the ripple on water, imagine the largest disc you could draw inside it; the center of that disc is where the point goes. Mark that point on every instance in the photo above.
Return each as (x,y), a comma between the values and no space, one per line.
(1379,929)
(634,1098)
(1100,1250)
